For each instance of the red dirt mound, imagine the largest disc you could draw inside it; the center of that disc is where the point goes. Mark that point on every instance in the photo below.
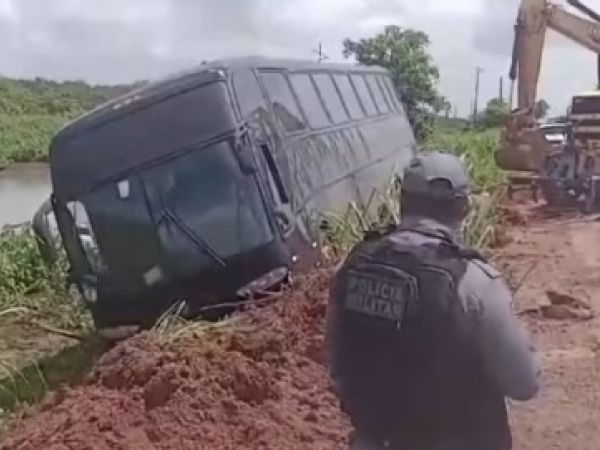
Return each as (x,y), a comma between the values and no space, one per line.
(258,385)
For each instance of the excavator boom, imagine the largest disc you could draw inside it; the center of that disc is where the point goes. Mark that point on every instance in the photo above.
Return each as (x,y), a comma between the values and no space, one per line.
(524,148)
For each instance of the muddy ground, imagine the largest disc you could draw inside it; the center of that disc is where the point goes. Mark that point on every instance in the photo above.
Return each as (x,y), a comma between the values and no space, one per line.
(559,256)
(262,386)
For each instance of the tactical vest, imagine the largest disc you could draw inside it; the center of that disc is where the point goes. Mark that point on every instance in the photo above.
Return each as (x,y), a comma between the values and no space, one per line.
(407,371)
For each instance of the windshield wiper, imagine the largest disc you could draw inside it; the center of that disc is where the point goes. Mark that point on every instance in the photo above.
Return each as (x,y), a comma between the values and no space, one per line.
(193,236)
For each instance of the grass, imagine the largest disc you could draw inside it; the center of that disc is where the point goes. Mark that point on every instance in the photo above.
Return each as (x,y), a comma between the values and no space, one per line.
(37,322)
(477,150)
(382,208)
(22,270)
(29,286)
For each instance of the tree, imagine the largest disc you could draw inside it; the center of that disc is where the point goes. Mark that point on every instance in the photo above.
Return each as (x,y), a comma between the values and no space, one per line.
(541,109)
(495,115)
(404,52)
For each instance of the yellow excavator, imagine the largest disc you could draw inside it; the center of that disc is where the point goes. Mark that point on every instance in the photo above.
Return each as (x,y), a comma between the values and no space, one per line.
(568,174)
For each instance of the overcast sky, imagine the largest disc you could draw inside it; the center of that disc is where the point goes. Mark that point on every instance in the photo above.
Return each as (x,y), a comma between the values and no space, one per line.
(114,41)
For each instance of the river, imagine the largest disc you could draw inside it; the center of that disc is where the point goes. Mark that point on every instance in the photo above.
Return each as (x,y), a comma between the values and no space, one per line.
(23,187)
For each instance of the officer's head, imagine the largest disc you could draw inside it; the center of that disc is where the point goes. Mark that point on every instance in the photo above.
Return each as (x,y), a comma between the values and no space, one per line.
(437,186)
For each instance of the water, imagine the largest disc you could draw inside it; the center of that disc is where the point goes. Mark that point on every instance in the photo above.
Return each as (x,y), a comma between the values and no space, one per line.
(23,188)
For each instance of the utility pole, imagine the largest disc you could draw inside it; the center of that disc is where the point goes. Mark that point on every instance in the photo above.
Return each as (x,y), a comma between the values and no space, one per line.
(501,96)
(319,51)
(478,71)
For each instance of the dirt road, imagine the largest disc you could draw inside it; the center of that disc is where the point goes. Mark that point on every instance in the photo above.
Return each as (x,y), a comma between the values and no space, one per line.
(559,256)
(262,386)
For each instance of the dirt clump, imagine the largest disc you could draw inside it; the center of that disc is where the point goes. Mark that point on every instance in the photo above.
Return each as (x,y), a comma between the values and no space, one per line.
(258,384)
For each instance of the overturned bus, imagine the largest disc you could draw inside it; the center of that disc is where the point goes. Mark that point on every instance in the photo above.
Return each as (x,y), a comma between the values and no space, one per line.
(209,185)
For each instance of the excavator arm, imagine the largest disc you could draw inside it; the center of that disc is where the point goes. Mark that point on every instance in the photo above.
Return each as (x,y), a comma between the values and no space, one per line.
(524,147)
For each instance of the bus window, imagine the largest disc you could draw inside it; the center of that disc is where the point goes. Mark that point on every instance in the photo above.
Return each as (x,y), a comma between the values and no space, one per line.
(392,92)
(248,93)
(364,94)
(309,100)
(284,105)
(386,92)
(349,96)
(330,97)
(380,102)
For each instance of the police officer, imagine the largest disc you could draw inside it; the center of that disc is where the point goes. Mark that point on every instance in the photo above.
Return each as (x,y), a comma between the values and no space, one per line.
(423,344)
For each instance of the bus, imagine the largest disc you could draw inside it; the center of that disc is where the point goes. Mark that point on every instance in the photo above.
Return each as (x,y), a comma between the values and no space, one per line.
(208,185)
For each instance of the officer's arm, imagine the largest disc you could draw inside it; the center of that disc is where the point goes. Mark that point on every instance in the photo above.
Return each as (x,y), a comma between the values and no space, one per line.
(506,351)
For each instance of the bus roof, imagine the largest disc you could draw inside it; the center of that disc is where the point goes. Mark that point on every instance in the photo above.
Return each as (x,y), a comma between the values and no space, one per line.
(78,164)
(195,75)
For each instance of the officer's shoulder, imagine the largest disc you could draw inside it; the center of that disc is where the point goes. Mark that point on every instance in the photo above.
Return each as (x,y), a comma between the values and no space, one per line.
(483,268)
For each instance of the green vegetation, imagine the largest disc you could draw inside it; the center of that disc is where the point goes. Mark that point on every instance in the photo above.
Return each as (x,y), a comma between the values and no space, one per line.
(21,268)
(495,115)
(28,286)
(497,112)
(39,323)
(477,148)
(31,111)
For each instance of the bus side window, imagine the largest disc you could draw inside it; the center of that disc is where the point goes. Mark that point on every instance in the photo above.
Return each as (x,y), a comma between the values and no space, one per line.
(349,96)
(386,92)
(363,93)
(331,97)
(248,93)
(309,100)
(392,92)
(380,102)
(287,111)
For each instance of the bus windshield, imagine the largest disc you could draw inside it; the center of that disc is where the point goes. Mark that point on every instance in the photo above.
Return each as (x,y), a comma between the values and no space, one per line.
(178,218)
(209,208)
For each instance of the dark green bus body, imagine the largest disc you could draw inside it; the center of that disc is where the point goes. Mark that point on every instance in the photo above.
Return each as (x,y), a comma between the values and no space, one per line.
(209,185)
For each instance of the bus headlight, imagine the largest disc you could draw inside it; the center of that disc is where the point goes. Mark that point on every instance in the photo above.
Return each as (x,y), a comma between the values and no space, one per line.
(263,283)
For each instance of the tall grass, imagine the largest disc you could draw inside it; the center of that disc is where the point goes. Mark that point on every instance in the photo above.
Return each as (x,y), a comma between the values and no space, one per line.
(22,270)
(382,209)
(28,287)
(34,303)
(477,150)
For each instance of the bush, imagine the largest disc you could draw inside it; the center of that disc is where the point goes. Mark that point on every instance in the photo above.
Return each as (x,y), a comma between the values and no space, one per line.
(22,270)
